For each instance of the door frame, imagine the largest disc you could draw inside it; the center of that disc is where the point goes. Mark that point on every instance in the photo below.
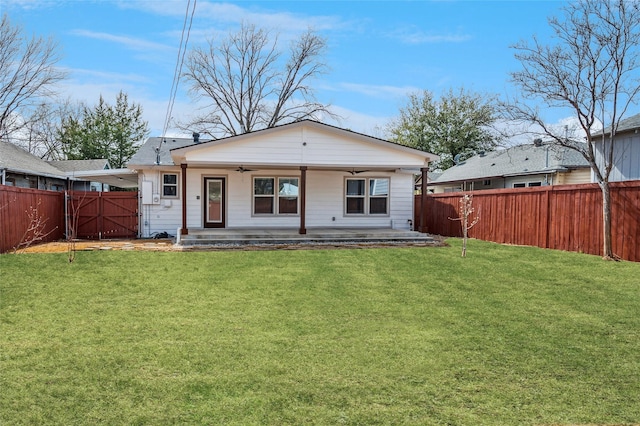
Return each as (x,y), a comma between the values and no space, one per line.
(205,202)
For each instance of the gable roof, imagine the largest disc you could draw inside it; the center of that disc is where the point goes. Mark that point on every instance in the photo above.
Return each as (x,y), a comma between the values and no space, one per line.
(166,149)
(80,165)
(518,160)
(15,159)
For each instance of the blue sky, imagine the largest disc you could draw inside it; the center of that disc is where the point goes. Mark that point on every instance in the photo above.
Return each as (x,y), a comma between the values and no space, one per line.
(377,53)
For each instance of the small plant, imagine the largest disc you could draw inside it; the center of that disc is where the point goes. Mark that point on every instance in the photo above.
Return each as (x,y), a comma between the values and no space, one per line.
(465,212)
(36,230)
(73,219)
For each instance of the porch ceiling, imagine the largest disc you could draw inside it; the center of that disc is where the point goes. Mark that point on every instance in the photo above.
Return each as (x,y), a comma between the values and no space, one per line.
(252,166)
(121,178)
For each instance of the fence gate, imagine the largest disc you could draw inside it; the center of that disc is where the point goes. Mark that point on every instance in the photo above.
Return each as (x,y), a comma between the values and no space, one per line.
(102,215)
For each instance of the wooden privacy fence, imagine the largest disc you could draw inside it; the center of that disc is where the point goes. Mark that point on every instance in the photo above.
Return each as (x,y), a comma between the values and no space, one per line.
(93,215)
(566,217)
(25,212)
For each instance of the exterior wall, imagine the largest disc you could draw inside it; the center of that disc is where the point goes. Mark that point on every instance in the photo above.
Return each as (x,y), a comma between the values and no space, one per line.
(476,185)
(626,158)
(166,215)
(324,201)
(303,145)
(544,179)
(569,178)
(574,177)
(21,180)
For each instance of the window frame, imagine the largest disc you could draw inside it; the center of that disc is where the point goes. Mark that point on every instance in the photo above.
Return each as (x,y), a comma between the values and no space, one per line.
(536,183)
(163,185)
(275,196)
(367,197)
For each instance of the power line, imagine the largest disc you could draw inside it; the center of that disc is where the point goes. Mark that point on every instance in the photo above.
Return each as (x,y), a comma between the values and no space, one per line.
(179,62)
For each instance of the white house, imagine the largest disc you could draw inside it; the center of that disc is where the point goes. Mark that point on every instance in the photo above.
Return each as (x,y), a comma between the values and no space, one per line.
(298,175)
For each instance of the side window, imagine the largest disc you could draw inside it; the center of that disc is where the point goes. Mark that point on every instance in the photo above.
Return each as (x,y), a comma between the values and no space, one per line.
(170,185)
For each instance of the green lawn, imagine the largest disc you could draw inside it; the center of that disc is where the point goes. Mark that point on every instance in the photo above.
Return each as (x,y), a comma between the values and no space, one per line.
(509,335)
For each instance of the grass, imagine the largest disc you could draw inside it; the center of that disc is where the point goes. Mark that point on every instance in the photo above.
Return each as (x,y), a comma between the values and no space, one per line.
(509,335)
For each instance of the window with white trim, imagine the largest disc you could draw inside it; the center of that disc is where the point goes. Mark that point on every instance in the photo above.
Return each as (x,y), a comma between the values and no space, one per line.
(525,184)
(170,185)
(269,201)
(367,196)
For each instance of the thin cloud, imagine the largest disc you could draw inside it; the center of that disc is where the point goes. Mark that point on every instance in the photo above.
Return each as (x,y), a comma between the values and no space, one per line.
(232,14)
(376,91)
(107,76)
(417,36)
(128,42)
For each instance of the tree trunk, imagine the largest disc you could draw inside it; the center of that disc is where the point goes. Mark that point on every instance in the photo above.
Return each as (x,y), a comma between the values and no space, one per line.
(607,250)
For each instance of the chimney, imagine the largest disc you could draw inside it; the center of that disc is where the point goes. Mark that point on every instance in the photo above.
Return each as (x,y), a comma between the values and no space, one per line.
(196,137)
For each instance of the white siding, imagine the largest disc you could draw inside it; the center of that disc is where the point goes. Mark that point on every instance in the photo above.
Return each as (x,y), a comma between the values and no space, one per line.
(163,217)
(304,146)
(626,158)
(324,197)
(574,177)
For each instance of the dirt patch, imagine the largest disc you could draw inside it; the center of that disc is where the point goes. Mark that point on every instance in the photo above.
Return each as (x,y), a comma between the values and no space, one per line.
(168,245)
(82,245)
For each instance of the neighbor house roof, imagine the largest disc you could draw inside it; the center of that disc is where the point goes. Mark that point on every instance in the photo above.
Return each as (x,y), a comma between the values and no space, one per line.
(80,165)
(519,160)
(630,123)
(626,125)
(158,148)
(15,159)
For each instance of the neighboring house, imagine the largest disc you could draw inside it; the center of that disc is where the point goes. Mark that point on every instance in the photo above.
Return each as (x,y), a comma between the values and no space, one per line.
(72,168)
(626,154)
(23,169)
(298,175)
(521,166)
(431,176)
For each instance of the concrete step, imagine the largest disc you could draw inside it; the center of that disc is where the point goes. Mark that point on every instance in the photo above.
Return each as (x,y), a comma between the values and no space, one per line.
(248,236)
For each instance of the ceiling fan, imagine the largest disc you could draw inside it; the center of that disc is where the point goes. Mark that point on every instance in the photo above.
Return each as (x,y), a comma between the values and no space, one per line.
(241,169)
(356,172)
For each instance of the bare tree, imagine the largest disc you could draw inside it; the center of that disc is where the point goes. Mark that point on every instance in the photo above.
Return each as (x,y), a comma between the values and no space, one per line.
(36,229)
(40,133)
(27,74)
(465,213)
(592,69)
(250,86)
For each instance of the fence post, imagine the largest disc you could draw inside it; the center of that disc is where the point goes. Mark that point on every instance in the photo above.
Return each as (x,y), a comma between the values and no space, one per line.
(423,201)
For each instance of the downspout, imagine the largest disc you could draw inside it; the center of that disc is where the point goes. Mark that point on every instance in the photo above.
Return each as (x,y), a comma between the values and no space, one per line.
(422,226)
(184,230)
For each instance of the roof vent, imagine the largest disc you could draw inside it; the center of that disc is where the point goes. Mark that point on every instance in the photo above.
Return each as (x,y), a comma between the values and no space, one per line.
(196,137)
(537,142)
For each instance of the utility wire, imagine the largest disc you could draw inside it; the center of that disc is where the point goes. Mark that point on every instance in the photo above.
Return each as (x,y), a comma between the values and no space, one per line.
(177,72)
(179,62)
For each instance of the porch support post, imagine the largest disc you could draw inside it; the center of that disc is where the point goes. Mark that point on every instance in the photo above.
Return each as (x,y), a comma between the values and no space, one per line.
(423,201)
(184,230)
(302,193)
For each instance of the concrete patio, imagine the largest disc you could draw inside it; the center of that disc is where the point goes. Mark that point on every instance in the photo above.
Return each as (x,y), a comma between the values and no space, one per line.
(229,236)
